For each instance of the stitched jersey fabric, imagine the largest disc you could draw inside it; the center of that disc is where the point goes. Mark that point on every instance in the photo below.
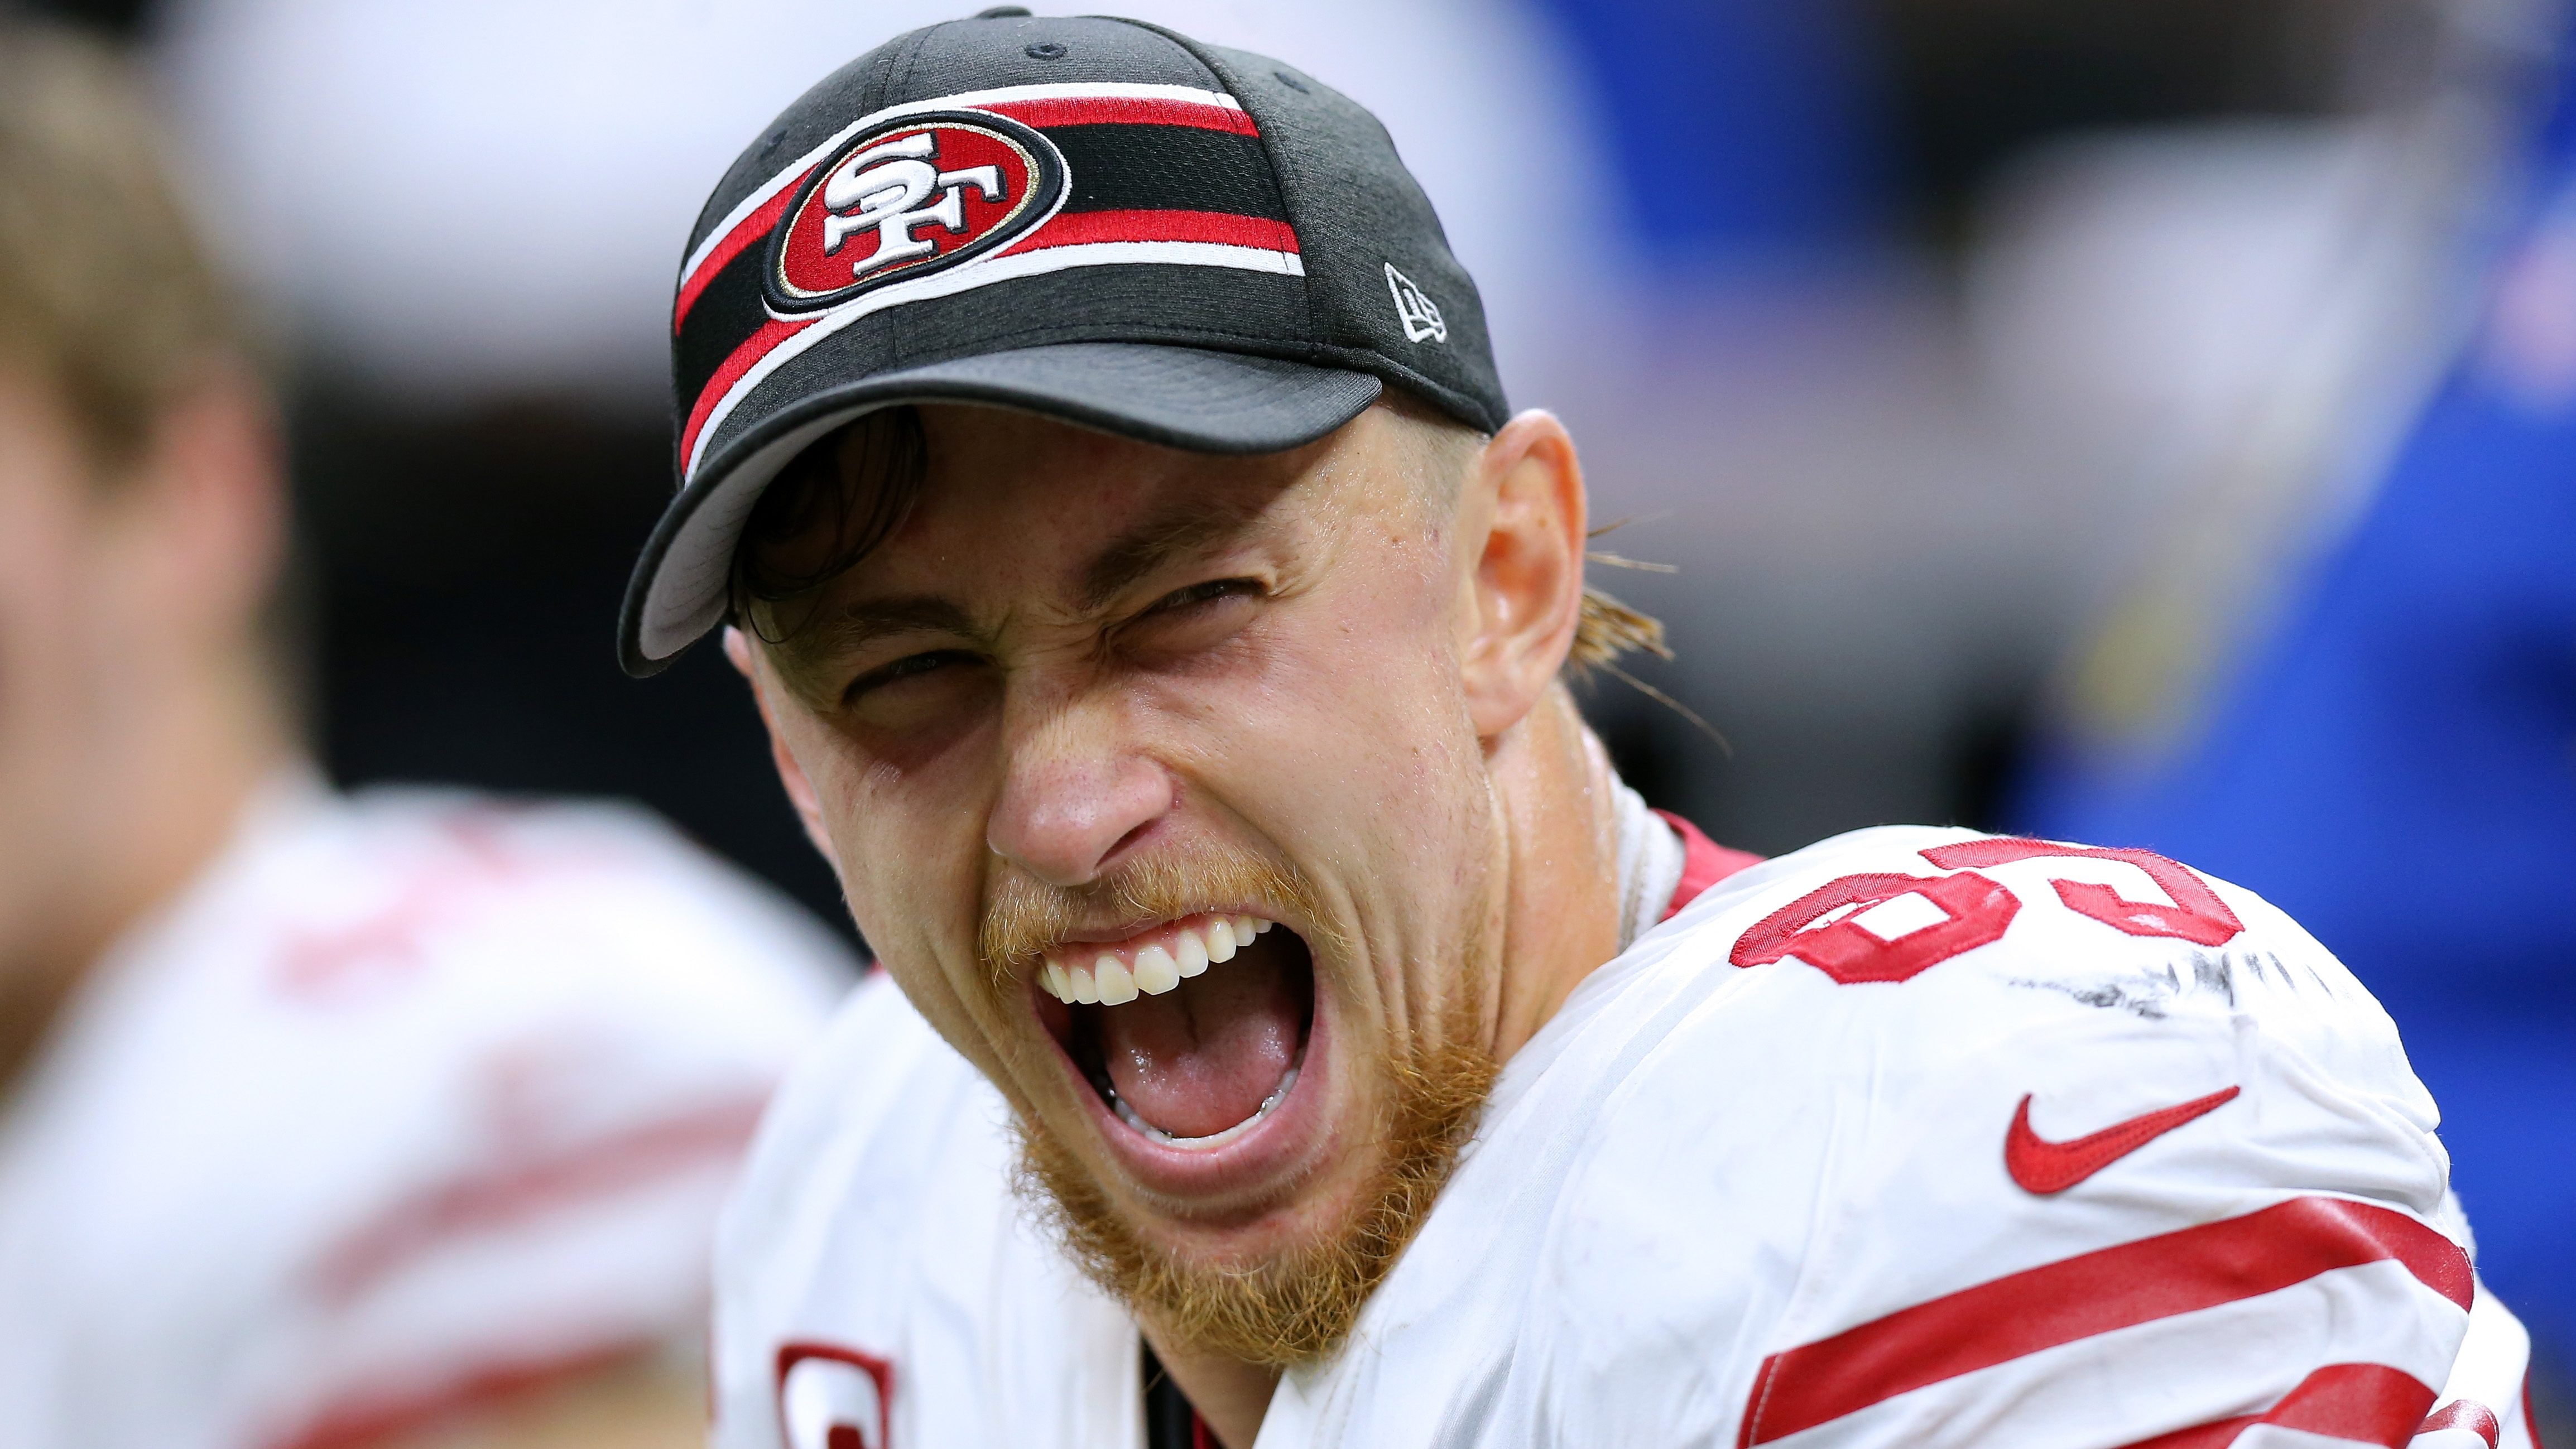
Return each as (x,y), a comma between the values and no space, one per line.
(1914,1137)
(411,1096)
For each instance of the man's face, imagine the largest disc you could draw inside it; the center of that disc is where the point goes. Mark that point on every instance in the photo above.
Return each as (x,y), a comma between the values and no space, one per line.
(1100,713)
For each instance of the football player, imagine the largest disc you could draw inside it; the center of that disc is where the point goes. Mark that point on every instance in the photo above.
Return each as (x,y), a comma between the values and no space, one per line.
(325,1120)
(1094,456)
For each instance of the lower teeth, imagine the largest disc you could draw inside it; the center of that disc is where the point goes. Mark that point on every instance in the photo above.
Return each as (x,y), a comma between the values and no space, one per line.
(1153,1133)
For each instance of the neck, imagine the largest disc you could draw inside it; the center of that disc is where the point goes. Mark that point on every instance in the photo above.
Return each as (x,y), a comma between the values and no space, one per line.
(1561,918)
(1556,799)
(167,782)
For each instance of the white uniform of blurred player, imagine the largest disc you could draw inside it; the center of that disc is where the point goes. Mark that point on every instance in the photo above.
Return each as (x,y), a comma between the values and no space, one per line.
(325,1122)
(1914,1137)
(409,1100)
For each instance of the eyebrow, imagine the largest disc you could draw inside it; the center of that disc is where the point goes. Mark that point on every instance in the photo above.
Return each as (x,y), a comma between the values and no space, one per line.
(1182,526)
(867,620)
(854,626)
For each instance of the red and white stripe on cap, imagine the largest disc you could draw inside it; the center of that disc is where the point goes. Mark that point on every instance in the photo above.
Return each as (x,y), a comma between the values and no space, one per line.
(1058,242)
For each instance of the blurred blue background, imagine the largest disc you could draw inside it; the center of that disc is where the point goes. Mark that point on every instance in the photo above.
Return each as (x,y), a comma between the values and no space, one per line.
(1742,127)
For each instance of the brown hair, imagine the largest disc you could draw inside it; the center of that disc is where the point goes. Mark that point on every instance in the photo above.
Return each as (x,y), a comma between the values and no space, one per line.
(825,511)
(842,497)
(1604,628)
(106,294)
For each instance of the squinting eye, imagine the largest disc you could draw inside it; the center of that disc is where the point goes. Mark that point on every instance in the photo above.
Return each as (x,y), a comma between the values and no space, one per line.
(1201,593)
(911,666)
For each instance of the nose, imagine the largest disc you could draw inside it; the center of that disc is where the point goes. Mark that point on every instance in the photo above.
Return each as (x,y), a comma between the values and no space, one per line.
(1069,805)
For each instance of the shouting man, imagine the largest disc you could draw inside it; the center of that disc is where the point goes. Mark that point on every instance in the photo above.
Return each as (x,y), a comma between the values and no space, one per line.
(1094,453)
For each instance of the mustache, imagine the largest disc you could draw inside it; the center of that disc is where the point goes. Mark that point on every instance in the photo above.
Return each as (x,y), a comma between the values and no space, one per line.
(1022,918)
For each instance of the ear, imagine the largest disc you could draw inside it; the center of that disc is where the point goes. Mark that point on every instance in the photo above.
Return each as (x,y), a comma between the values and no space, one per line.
(210,498)
(1521,534)
(764,686)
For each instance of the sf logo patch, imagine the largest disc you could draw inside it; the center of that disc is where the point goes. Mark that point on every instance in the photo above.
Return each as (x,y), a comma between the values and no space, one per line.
(913,196)
(834,1398)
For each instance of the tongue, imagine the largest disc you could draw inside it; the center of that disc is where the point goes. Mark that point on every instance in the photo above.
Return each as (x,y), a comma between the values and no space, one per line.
(1197,1060)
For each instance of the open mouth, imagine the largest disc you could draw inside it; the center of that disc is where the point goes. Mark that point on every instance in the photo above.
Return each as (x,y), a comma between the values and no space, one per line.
(1193,1031)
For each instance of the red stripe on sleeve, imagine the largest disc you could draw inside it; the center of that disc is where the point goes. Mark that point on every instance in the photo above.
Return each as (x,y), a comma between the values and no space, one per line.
(752,228)
(759,345)
(2113,1288)
(1080,228)
(2466,1414)
(367,1421)
(506,1196)
(1124,111)
(2364,1403)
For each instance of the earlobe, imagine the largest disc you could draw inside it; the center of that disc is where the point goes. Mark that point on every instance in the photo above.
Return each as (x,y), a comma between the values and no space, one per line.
(800,790)
(737,648)
(1527,501)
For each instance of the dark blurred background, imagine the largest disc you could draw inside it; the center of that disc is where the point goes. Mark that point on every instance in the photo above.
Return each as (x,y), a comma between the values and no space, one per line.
(1989,372)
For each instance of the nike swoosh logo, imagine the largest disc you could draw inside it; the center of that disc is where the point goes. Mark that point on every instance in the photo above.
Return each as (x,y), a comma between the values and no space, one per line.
(2044,1167)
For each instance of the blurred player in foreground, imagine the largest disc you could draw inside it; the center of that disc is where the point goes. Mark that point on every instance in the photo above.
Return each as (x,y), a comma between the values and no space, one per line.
(1159,615)
(327,1121)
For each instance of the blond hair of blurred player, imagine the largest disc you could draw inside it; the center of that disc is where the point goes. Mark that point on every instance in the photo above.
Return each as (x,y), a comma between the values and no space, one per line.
(325,1121)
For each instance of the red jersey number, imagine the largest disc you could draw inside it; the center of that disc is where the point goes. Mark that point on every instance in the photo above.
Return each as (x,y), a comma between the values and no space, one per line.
(2197,914)
(1978,910)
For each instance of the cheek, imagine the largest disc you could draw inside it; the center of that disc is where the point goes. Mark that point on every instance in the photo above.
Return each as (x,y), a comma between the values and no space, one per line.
(908,846)
(1346,729)
(54,618)
(58,739)
(886,810)
(42,563)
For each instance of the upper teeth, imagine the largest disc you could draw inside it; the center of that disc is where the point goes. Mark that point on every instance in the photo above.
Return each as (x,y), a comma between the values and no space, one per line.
(1114,976)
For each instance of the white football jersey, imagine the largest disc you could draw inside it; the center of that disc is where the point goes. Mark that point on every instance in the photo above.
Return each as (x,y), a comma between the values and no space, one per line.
(1916,1137)
(412,1097)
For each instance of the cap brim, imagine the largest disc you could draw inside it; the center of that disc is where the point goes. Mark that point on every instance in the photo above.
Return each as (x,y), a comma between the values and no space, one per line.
(1180,397)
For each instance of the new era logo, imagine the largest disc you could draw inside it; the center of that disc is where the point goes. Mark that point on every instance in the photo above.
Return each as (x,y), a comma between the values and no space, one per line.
(1420,315)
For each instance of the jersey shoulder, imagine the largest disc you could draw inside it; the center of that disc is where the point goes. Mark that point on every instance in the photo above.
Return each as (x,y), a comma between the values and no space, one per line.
(1974,937)
(1938,1081)
(537,892)
(440,975)
(390,979)
(466,944)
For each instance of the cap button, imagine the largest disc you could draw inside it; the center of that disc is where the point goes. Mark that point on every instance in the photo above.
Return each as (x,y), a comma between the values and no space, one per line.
(1002,12)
